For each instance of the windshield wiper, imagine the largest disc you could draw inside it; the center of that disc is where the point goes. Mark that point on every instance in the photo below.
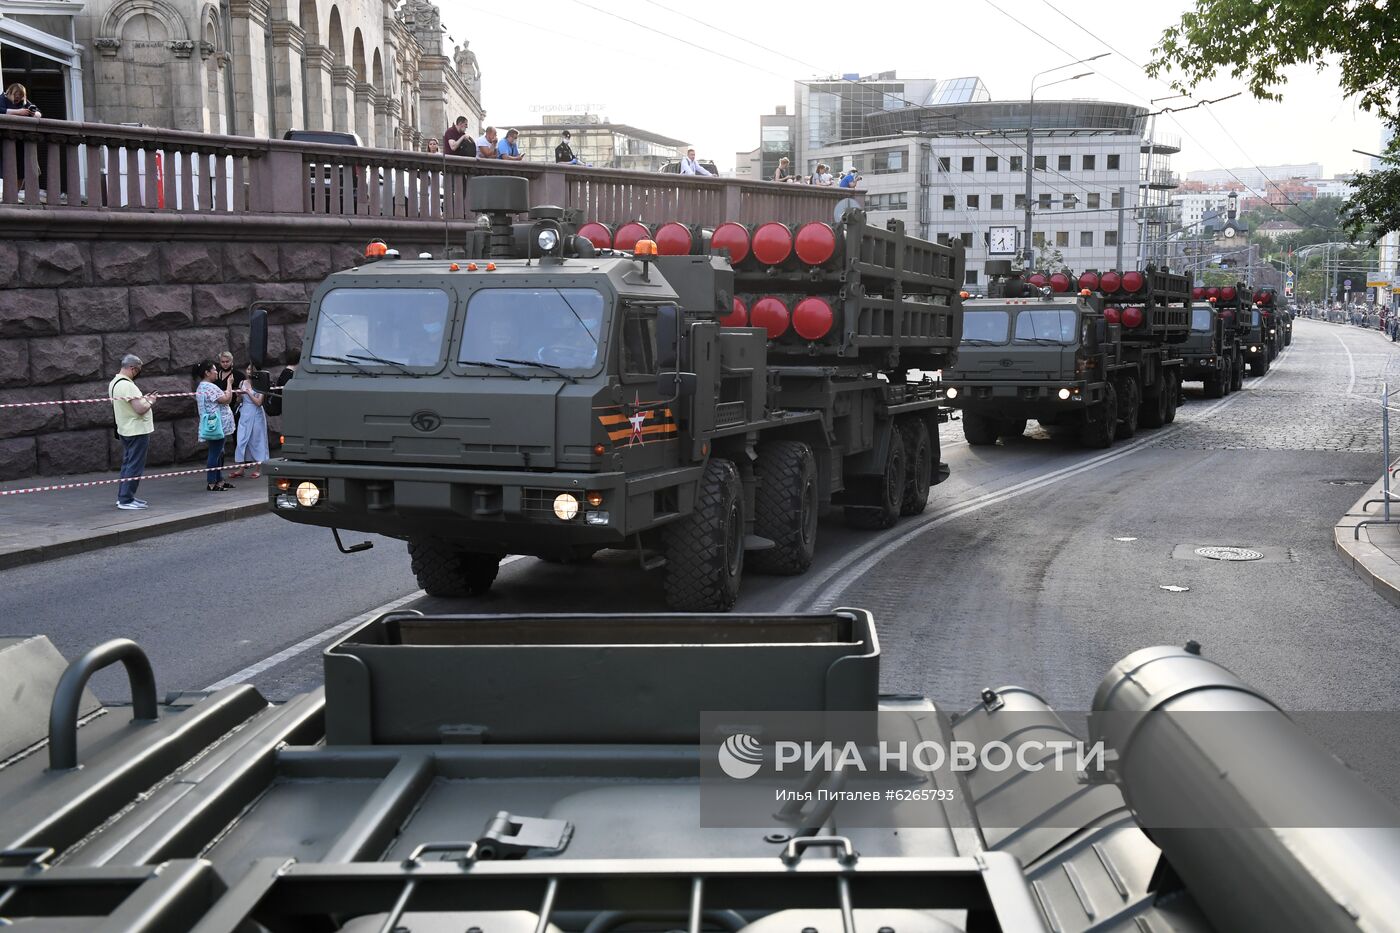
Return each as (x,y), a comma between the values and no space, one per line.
(341,359)
(1042,341)
(487,365)
(554,369)
(370,358)
(980,341)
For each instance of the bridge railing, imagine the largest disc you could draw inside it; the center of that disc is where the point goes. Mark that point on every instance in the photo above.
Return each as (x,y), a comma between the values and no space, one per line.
(56,166)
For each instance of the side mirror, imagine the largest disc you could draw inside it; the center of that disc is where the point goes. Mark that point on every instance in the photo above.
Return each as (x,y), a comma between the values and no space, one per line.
(257,337)
(262,380)
(668,336)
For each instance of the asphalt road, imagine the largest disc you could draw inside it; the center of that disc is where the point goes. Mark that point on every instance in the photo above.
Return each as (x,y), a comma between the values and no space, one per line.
(1036,563)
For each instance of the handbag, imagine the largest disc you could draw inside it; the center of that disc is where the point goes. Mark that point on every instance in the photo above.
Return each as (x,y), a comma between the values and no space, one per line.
(211,426)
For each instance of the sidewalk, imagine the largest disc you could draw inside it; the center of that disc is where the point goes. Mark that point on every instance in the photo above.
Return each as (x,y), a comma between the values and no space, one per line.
(1374,551)
(45,525)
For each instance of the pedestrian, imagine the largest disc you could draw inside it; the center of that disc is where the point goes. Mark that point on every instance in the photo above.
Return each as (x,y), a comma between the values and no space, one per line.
(252,431)
(274,398)
(691,167)
(783,172)
(564,153)
(851,179)
(433,147)
(215,420)
(135,423)
(15,102)
(510,147)
(457,141)
(486,144)
(822,176)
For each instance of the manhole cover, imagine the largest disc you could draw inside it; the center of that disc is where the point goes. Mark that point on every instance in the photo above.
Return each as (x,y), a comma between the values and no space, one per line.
(1173,588)
(1228,553)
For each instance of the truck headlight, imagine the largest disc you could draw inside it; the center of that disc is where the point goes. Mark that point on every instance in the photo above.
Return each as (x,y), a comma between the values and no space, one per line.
(1064,395)
(308,494)
(548,240)
(565,506)
(952,392)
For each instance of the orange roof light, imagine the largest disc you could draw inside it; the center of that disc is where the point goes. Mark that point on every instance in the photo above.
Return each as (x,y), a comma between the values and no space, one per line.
(454,268)
(1084,293)
(471,267)
(644,248)
(964,294)
(490,267)
(376,248)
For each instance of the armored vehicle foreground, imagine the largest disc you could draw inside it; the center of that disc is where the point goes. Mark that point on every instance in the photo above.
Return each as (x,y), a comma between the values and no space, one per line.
(567,774)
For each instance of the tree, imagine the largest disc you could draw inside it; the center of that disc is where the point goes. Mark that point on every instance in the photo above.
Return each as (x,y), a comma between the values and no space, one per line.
(1256,40)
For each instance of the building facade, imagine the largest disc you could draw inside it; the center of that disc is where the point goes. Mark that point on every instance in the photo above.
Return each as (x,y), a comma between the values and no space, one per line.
(376,68)
(598,142)
(951,164)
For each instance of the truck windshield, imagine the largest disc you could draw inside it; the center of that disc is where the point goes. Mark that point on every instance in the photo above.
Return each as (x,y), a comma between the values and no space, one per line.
(529,328)
(1200,319)
(1255,320)
(381,328)
(985,327)
(1048,325)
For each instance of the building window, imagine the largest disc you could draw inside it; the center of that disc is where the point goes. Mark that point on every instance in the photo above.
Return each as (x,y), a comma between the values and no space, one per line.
(998,201)
(1040,163)
(974,202)
(1088,163)
(1063,163)
(885,161)
(971,276)
(1038,239)
(1062,238)
(944,164)
(890,201)
(967,163)
(949,202)
(1018,164)
(1113,162)
(1093,201)
(1110,238)
(943,238)
(1019,202)
(1086,238)
(1115,199)
(1069,201)
(1044,203)
(966,240)
(991,163)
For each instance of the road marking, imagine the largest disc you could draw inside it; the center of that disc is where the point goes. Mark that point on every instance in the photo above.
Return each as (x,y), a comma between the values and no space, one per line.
(320,638)
(823,593)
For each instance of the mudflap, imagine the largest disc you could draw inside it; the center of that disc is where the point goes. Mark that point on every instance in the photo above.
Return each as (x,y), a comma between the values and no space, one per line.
(941,473)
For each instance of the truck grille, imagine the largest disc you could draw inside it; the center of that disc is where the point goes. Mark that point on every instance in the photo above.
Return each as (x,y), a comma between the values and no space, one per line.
(727,413)
(538,503)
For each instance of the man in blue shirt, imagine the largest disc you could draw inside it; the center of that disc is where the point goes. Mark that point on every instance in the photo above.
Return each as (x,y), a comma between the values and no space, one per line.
(510,147)
(850,179)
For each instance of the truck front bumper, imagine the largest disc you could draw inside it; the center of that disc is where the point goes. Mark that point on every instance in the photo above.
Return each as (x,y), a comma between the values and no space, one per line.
(515,512)
(1023,399)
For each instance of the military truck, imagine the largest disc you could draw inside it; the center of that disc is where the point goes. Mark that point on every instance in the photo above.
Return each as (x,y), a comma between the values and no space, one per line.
(1214,353)
(575,774)
(1266,336)
(1100,360)
(696,396)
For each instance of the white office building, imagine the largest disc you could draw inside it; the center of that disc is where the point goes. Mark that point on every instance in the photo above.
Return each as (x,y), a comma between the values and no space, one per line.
(951,163)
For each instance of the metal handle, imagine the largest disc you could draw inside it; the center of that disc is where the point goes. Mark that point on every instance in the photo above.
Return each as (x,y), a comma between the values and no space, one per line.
(793,853)
(68,696)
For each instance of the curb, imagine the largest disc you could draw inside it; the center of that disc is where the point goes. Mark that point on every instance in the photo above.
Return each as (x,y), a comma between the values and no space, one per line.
(97,541)
(1376,568)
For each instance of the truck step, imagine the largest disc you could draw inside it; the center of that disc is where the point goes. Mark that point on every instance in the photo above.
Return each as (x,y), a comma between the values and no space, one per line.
(758,543)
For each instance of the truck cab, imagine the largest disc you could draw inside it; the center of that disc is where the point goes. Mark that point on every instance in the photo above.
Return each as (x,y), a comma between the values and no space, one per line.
(1206,355)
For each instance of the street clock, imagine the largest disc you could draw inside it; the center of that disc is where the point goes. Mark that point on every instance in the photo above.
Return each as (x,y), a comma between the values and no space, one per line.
(1001,241)
(1229,231)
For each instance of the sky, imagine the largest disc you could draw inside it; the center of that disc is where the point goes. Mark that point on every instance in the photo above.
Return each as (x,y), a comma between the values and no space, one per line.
(680,68)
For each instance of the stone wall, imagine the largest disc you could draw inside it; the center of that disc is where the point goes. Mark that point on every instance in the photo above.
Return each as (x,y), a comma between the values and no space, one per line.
(70,309)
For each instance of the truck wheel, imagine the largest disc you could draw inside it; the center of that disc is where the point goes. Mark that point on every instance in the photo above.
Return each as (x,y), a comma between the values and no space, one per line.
(1099,432)
(886,493)
(1012,427)
(705,550)
(980,430)
(919,480)
(1172,395)
(1237,373)
(1226,381)
(1130,409)
(1152,413)
(444,570)
(786,505)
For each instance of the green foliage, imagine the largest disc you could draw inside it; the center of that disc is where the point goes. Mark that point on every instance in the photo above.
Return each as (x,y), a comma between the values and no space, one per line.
(1255,41)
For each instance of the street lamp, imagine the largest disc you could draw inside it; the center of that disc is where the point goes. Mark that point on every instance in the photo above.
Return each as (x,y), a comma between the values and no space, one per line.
(1030,140)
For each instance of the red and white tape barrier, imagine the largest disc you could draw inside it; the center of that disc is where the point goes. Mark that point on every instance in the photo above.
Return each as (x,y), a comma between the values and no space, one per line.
(87,401)
(109,482)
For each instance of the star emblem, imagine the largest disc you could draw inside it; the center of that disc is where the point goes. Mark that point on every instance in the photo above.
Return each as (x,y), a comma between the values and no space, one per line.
(637,419)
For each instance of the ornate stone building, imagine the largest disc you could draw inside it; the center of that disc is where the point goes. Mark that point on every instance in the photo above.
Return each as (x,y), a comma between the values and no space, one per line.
(376,68)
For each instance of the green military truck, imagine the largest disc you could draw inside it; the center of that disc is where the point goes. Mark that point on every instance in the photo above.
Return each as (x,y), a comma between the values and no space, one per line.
(588,774)
(1214,353)
(552,395)
(1266,335)
(1099,361)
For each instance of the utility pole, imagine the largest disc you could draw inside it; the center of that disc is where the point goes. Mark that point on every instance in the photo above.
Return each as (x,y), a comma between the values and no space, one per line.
(1121,209)
(1027,252)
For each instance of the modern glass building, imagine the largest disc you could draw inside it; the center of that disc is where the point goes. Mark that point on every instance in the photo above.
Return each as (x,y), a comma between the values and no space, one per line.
(598,142)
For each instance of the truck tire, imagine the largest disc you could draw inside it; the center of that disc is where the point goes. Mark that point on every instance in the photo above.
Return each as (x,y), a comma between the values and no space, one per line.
(1237,372)
(1226,378)
(705,550)
(1173,396)
(444,570)
(1130,409)
(1012,428)
(919,449)
(886,492)
(786,505)
(980,430)
(1098,433)
(1153,411)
